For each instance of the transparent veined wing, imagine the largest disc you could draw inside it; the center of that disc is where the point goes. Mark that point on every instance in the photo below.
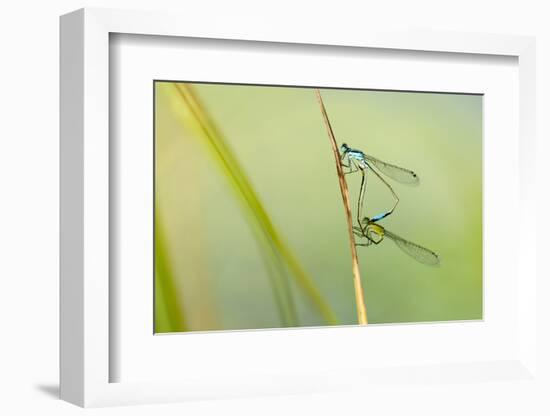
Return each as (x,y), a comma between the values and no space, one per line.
(419,253)
(395,172)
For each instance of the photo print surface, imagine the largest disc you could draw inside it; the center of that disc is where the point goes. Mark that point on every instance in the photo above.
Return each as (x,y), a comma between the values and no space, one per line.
(281,207)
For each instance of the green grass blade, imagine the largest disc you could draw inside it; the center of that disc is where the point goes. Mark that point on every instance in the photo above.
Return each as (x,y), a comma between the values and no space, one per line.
(280,255)
(169,316)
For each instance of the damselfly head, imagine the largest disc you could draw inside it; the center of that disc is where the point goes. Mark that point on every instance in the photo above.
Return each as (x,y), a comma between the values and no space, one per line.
(344,148)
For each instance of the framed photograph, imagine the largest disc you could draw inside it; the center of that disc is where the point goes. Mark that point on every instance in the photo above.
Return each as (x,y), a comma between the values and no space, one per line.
(272,212)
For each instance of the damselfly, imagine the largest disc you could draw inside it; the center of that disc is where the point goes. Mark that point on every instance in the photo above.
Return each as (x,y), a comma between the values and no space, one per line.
(359,161)
(375,233)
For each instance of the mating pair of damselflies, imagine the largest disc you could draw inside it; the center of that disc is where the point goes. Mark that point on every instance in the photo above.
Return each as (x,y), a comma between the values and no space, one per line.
(358,161)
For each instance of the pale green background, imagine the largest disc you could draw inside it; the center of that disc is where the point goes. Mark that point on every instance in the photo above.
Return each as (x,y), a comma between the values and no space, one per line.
(279,137)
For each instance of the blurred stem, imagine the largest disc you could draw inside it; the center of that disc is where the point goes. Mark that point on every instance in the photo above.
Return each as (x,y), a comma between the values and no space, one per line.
(359,297)
(165,287)
(281,287)
(263,222)
(275,268)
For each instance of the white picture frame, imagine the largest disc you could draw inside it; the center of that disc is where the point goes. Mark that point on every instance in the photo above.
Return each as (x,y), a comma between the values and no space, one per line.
(85,220)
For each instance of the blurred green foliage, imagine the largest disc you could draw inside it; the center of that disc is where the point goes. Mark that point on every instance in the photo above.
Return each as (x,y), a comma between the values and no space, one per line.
(217,277)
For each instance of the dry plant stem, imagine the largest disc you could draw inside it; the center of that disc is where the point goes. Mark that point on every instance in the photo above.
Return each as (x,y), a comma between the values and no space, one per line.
(359,297)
